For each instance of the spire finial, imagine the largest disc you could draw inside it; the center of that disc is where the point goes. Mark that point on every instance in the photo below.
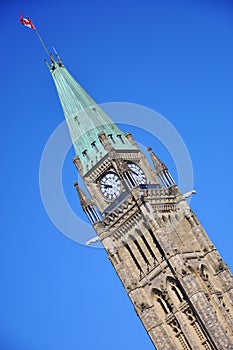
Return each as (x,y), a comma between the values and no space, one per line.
(161,170)
(58,57)
(158,164)
(84,200)
(87,205)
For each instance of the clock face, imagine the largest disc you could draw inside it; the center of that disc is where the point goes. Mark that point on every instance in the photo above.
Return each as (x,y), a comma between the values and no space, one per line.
(110,185)
(137,173)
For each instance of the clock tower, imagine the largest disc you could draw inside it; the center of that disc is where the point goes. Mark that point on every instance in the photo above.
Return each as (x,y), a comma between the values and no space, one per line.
(177,281)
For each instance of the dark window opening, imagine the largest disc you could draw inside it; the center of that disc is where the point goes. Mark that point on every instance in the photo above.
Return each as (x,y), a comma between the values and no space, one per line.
(84,153)
(93,145)
(161,302)
(120,137)
(156,243)
(177,293)
(148,246)
(111,138)
(141,252)
(133,256)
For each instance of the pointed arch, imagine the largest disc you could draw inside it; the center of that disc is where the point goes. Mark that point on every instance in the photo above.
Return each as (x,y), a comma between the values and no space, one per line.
(165,307)
(204,272)
(205,275)
(176,293)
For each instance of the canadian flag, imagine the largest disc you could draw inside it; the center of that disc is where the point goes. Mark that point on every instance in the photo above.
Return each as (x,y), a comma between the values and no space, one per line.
(26,22)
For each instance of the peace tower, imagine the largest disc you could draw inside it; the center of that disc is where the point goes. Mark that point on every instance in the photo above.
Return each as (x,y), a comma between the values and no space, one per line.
(177,281)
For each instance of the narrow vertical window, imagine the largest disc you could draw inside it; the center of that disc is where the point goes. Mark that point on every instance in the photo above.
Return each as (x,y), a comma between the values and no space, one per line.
(147,245)
(141,252)
(85,155)
(156,243)
(94,146)
(111,138)
(132,256)
(121,138)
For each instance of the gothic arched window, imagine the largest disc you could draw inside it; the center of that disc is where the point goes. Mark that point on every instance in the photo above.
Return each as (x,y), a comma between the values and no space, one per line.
(165,307)
(176,293)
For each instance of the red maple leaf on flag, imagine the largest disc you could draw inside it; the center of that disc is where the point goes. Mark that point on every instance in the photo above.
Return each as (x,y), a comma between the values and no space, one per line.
(26,22)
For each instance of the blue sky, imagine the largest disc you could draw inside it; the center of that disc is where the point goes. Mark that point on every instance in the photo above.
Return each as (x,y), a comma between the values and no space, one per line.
(172,56)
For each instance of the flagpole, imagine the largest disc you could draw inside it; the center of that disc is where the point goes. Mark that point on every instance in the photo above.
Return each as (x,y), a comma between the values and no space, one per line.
(42,42)
(28,23)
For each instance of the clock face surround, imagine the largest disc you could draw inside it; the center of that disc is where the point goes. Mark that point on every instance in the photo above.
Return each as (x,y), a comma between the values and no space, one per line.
(110,185)
(137,173)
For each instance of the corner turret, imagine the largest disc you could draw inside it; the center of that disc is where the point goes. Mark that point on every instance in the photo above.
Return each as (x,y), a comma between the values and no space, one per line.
(161,170)
(87,205)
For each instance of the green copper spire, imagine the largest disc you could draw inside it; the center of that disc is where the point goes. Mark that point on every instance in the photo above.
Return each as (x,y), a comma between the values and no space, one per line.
(85,119)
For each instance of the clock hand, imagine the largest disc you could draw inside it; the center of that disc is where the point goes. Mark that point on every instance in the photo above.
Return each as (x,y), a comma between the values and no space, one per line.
(108,186)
